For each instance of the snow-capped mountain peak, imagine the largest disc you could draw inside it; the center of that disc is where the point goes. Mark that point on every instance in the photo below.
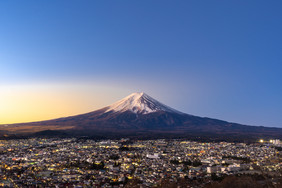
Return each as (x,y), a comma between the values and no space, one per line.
(139,103)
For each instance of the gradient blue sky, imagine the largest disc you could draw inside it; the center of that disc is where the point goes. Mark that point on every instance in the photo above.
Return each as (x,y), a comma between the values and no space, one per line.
(220,59)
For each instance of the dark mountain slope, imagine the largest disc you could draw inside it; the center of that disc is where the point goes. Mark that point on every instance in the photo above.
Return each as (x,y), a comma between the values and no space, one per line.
(139,114)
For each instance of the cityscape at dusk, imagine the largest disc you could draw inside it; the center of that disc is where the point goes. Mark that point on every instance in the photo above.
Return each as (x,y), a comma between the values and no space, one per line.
(141,94)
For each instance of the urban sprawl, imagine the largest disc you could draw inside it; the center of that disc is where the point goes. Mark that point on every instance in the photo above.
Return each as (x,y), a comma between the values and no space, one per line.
(74,162)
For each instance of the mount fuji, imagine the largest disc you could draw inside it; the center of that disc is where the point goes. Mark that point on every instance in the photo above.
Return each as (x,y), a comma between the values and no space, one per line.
(140,115)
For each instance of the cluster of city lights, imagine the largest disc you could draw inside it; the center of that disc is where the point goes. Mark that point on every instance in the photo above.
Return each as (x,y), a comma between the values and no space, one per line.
(262,141)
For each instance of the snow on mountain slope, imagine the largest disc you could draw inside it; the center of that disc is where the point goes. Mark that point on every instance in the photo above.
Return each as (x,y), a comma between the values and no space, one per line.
(139,103)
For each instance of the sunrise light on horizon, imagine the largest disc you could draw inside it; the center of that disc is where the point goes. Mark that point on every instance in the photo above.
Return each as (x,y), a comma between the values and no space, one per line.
(70,57)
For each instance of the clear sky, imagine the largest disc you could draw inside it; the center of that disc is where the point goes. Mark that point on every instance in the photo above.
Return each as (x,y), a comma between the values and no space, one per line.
(220,59)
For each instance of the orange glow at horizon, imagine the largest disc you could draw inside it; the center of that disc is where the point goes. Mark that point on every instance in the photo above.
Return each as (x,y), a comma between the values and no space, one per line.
(20,104)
